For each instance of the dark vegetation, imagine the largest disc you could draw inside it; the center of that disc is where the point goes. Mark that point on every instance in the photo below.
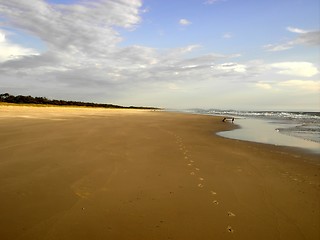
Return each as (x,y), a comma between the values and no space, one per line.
(6,97)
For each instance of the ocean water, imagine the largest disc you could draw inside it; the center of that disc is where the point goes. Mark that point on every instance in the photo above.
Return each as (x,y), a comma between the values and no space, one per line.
(294,129)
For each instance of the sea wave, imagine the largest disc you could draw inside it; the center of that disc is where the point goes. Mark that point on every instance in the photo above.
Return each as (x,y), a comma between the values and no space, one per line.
(305,125)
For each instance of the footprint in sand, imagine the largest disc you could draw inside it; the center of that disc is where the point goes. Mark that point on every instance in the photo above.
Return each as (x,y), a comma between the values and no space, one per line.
(185,157)
(213,193)
(230,230)
(198,169)
(201,179)
(191,161)
(215,202)
(189,164)
(200,185)
(230,214)
(192,173)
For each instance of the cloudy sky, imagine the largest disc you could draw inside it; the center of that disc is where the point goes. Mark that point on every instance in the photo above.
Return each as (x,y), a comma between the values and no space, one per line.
(226,54)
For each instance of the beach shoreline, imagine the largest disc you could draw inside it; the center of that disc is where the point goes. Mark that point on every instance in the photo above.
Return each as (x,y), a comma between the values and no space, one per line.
(78,173)
(280,128)
(262,131)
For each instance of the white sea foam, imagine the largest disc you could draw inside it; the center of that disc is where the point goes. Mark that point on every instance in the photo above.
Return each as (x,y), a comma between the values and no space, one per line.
(296,129)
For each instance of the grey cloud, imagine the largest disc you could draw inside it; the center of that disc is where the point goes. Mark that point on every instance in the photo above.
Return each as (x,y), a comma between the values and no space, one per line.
(136,55)
(307,38)
(32,61)
(82,28)
(202,60)
(76,36)
(82,54)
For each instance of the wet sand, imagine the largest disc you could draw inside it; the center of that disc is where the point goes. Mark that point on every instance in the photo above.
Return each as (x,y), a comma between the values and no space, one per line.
(79,173)
(262,131)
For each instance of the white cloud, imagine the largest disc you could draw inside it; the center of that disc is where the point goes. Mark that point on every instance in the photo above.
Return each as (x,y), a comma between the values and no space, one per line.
(306,38)
(308,85)
(227,36)
(184,50)
(296,30)
(174,87)
(302,69)
(84,60)
(264,85)
(209,2)
(184,22)
(11,51)
(277,47)
(231,67)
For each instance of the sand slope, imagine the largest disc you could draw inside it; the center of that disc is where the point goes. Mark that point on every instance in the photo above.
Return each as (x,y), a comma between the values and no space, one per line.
(68,173)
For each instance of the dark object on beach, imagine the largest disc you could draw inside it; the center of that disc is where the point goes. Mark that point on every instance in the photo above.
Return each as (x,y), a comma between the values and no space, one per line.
(228,119)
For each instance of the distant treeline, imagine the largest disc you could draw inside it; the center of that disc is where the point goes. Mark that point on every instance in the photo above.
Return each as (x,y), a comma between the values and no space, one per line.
(6,97)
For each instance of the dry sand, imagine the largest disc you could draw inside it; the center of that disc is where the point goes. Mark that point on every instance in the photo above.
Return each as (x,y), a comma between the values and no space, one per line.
(78,173)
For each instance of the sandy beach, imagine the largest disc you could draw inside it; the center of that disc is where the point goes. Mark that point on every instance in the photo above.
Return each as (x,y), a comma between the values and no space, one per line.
(82,173)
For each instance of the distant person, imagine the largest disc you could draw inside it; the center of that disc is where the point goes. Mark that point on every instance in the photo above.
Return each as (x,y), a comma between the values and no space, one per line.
(226,119)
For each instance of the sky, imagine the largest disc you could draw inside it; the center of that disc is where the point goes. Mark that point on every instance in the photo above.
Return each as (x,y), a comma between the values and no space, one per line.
(221,54)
